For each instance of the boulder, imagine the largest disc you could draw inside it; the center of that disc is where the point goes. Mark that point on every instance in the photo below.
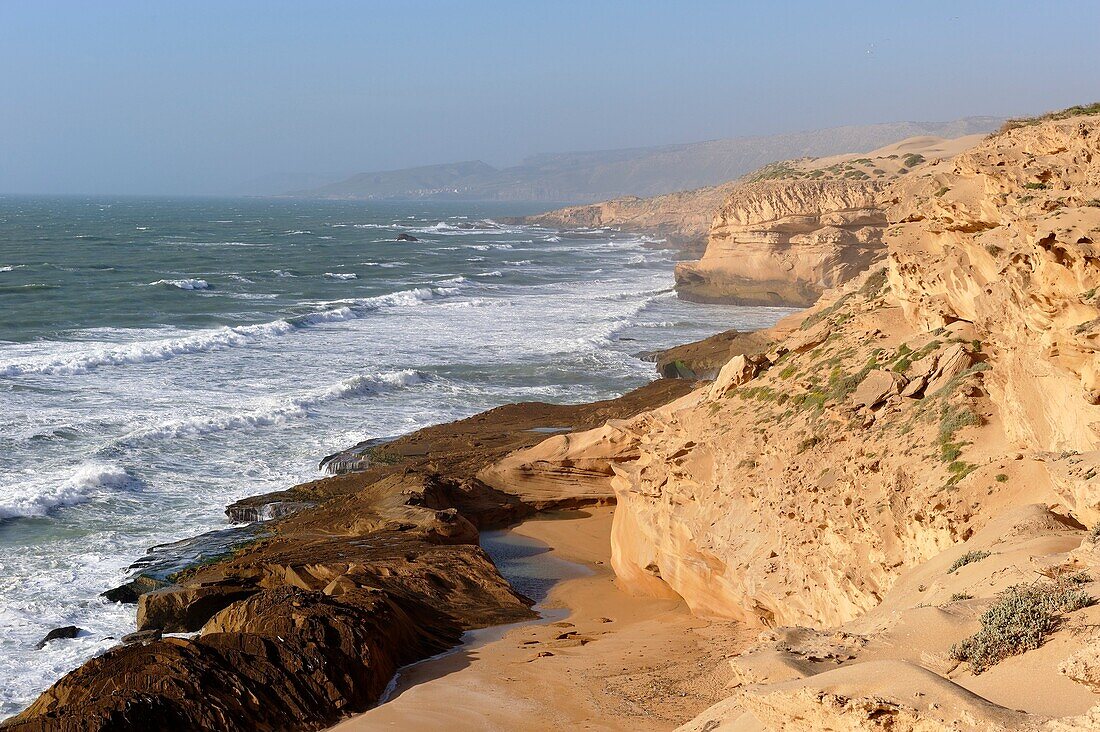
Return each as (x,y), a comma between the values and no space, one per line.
(132,590)
(877,387)
(406,237)
(65,631)
(952,362)
(141,636)
(737,371)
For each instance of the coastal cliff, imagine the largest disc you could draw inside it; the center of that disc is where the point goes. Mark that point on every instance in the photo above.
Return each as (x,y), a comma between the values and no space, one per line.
(682,218)
(902,468)
(781,235)
(894,487)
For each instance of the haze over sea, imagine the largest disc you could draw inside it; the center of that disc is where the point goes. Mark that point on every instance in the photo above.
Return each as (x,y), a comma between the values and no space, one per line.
(161,358)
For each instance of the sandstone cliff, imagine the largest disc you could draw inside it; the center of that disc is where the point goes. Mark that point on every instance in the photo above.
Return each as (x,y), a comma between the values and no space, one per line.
(919,449)
(682,218)
(794,229)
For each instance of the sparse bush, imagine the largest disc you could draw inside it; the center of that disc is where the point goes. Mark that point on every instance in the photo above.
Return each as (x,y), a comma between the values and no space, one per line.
(960,596)
(1019,621)
(965,559)
(1035,186)
(1094,534)
(1000,478)
(941,191)
(808,443)
(913,159)
(1077,111)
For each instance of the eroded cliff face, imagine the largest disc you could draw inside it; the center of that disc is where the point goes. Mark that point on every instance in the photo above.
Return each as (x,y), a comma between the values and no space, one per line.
(939,408)
(794,229)
(683,218)
(782,242)
(794,490)
(1006,237)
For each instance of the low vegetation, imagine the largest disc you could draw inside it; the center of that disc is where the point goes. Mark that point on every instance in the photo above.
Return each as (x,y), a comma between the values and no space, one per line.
(1077,111)
(965,559)
(1020,620)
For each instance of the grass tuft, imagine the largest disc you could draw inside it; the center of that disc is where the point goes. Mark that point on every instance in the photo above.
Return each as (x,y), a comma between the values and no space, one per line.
(965,559)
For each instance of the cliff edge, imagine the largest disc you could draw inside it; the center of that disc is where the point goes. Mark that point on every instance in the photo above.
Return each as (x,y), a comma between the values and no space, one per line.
(898,488)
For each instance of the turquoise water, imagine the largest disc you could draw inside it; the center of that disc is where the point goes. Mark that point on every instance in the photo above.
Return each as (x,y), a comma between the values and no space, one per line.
(162,358)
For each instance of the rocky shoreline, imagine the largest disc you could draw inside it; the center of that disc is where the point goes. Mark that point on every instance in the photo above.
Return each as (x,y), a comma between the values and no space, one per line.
(301,617)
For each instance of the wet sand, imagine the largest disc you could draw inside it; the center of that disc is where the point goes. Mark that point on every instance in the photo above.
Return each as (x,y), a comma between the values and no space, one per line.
(598,659)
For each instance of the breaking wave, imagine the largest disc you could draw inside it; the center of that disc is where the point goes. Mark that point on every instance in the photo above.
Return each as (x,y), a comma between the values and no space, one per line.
(32,497)
(214,340)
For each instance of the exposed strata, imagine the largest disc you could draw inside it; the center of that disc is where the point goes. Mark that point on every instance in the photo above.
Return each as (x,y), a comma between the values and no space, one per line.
(683,218)
(794,229)
(922,440)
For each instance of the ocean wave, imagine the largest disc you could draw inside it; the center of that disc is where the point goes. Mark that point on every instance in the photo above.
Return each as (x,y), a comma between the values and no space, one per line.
(279,412)
(216,339)
(494,273)
(185,284)
(10,267)
(282,273)
(341,275)
(32,287)
(483,226)
(32,497)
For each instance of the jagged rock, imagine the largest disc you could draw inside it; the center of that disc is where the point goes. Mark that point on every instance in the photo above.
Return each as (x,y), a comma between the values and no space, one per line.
(949,364)
(264,508)
(66,631)
(134,589)
(878,386)
(142,636)
(406,237)
(739,370)
(283,656)
(178,609)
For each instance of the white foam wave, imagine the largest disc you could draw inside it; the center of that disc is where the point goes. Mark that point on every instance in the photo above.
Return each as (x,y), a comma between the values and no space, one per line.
(282,273)
(278,412)
(341,275)
(216,339)
(10,267)
(494,273)
(36,497)
(189,283)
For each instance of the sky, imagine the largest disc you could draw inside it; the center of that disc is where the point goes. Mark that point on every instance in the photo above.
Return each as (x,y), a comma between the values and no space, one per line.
(194,97)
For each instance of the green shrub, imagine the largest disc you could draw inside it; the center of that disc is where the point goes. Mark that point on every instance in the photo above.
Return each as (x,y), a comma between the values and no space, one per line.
(1077,111)
(1035,186)
(1019,621)
(965,559)
(913,159)
(960,596)
(1000,478)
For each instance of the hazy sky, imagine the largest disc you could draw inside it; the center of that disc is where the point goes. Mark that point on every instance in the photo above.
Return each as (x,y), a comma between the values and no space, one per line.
(193,97)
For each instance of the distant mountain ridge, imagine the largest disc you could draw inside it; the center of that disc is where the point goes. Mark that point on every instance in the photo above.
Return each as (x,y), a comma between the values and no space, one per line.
(585,177)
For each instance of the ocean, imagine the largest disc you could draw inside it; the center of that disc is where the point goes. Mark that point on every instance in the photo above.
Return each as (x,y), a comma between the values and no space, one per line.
(161,358)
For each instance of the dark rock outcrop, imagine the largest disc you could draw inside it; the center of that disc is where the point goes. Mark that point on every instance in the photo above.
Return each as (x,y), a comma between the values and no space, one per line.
(66,631)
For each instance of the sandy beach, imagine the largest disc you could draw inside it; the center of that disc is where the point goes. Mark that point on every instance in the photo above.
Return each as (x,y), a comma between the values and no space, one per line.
(614,662)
